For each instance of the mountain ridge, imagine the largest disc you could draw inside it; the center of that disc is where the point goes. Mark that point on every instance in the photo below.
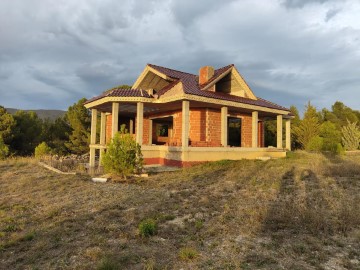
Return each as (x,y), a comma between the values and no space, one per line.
(42,113)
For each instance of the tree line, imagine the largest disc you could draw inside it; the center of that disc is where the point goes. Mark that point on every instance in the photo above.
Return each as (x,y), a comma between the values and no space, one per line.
(22,132)
(332,130)
(327,130)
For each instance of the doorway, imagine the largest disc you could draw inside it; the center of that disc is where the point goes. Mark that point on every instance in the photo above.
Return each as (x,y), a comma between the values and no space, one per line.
(234,131)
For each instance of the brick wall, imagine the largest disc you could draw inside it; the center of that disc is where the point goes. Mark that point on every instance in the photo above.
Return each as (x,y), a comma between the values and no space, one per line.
(246,131)
(205,128)
(146,131)
(197,130)
(213,136)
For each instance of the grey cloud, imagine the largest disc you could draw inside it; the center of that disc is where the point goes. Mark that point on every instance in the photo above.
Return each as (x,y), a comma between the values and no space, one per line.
(187,11)
(331,14)
(301,3)
(77,49)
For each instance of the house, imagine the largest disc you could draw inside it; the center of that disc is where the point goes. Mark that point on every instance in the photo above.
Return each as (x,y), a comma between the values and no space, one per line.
(182,119)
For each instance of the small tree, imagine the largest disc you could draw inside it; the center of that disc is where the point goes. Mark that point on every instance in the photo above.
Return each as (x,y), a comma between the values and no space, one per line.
(350,136)
(79,120)
(42,150)
(123,155)
(308,128)
(4,150)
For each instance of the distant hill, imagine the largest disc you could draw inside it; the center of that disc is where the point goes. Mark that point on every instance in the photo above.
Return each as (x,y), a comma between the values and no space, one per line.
(43,114)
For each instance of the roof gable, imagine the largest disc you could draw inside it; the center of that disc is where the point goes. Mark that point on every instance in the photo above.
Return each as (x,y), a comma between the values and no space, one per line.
(151,78)
(228,80)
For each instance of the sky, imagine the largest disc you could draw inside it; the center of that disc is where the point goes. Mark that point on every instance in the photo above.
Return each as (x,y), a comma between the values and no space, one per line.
(54,52)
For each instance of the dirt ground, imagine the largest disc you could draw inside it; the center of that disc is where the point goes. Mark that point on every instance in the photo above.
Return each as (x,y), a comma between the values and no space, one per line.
(301,212)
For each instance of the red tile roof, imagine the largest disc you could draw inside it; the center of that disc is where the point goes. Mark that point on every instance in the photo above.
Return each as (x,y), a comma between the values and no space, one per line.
(121,92)
(192,87)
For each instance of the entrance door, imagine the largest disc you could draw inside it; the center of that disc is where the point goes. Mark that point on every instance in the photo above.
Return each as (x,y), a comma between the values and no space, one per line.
(234,131)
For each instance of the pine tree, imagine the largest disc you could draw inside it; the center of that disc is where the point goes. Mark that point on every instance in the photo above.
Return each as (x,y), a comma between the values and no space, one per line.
(308,128)
(79,120)
(27,132)
(7,124)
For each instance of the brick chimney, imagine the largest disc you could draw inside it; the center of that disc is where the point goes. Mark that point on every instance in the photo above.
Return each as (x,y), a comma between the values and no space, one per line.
(205,74)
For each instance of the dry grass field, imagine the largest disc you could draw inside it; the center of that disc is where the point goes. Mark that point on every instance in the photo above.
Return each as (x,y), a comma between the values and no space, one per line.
(301,212)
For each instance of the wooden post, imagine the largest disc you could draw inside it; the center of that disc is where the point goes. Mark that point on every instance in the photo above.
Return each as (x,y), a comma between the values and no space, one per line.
(185,124)
(139,122)
(224,126)
(254,130)
(115,119)
(150,131)
(279,143)
(93,137)
(288,134)
(102,134)
(131,127)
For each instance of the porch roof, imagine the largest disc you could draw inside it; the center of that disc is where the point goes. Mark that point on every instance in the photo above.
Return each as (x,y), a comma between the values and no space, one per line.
(121,92)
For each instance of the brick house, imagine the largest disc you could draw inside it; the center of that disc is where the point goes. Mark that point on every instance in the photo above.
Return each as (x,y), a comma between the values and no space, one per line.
(181,119)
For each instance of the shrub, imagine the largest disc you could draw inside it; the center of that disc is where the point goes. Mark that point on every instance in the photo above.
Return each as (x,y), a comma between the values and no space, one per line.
(350,136)
(188,253)
(4,150)
(108,263)
(123,155)
(42,150)
(315,144)
(147,227)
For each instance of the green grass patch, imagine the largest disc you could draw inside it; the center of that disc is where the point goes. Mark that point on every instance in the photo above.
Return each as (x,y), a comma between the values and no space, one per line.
(147,227)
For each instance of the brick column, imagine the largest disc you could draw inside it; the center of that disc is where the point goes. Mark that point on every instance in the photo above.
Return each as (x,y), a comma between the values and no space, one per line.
(115,119)
(254,129)
(279,143)
(224,126)
(139,122)
(102,134)
(288,134)
(93,137)
(185,124)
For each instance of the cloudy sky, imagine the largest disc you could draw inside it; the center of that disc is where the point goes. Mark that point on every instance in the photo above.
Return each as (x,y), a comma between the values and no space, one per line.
(53,52)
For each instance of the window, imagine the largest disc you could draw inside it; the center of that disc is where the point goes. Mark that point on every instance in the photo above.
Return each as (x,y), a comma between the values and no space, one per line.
(162,130)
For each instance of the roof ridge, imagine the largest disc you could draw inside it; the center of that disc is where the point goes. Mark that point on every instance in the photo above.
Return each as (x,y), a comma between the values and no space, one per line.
(228,66)
(171,69)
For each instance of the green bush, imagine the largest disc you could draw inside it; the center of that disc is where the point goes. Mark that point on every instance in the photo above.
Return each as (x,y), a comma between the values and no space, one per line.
(42,150)
(123,155)
(333,147)
(147,227)
(315,144)
(4,150)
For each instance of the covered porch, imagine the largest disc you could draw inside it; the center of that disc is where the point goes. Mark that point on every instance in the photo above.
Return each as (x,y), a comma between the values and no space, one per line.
(186,132)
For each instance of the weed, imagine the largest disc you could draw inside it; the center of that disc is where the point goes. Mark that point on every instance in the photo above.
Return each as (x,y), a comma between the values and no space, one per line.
(147,227)
(199,224)
(164,217)
(108,263)
(149,264)
(11,228)
(188,253)
(29,236)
